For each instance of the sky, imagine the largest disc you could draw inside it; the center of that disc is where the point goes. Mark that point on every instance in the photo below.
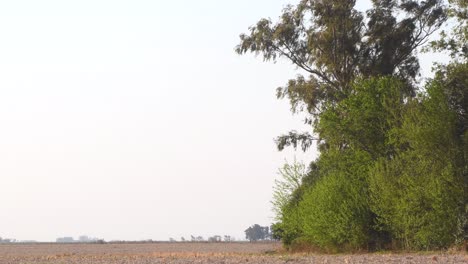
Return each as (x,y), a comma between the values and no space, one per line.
(130,120)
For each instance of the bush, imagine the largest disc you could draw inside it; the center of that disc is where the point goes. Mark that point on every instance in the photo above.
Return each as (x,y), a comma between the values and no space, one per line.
(335,212)
(418,194)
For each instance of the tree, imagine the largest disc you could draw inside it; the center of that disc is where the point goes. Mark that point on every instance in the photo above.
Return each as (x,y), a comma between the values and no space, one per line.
(216,238)
(257,232)
(333,44)
(196,239)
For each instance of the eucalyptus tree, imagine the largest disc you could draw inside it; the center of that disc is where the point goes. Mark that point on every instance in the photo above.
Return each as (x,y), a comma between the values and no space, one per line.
(333,43)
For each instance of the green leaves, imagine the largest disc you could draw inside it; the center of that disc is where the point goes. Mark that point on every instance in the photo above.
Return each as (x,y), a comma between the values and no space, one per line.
(364,120)
(287,187)
(335,211)
(417,193)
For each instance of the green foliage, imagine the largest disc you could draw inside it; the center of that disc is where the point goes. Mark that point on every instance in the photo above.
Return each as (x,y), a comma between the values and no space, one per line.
(454,78)
(287,187)
(276,231)
(391,168)
(330,209)
(335,211)
(417,201)
(417,194)
(364,120)
(291,224)
(288,192)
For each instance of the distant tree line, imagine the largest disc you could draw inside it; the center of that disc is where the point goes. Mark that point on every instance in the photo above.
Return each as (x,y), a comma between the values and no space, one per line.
(215,238)
(393,164)
(7,240)
(81,239)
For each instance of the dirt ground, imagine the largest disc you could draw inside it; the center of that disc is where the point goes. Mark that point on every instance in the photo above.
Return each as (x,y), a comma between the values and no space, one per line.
(203,253)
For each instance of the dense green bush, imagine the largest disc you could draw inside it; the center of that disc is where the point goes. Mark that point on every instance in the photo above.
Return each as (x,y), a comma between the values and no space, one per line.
(417,200)
(391,170)
(335,211)
(418,194)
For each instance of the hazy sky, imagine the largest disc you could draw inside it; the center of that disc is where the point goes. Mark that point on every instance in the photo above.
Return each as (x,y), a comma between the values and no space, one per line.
(136,119)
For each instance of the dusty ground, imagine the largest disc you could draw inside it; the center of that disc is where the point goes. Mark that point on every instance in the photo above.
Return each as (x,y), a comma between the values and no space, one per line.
(204,253)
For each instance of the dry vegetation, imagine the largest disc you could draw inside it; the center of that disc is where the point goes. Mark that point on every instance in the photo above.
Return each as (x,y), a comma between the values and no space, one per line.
(194,253)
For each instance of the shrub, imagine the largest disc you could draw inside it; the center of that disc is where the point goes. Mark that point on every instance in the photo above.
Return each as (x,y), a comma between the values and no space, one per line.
(335,212)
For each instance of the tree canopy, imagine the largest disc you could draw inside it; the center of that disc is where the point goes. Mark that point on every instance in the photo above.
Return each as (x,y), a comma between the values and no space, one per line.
(257,232)
(333,44)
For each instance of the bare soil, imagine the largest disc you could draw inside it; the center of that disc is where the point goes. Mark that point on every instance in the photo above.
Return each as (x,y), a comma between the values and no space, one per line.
(203,253)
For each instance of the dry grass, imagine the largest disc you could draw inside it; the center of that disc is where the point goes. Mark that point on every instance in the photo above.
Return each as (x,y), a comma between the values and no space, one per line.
(203,253)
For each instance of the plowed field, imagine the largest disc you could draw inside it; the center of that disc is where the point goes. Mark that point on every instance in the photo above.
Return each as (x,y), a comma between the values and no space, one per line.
(203,253)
